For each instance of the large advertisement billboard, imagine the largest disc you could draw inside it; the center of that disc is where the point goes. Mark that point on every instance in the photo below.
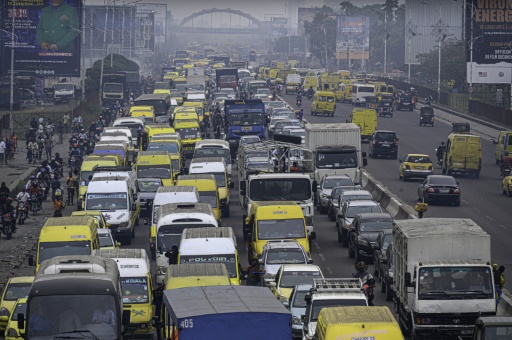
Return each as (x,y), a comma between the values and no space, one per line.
(118,25)
(160,19)
(46,37)
(353,38)
(306,14)
(492,47)
(144,31)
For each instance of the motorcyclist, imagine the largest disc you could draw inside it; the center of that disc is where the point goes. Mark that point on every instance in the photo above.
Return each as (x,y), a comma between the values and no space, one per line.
(58,204)
(311,92)
(4,192)
(92,128)
(59,161)
(254,273)
(74,152)
(55,184)
(82,134)
(366,278)
(7,208)
(23,196)
(440,152)
(100,123)
(299,98)
(506,162)
(40,146)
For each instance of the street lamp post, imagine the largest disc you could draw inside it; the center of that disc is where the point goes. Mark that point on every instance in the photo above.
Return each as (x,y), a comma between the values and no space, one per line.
(82,52)
(385,37)
(103,58)
(11,95)
(326,59)
(112,42)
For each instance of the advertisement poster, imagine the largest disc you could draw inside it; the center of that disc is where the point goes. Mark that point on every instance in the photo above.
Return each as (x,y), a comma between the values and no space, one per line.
(353,38)
(160,18)
(46,37)
(306,14)
(119,25)
(144,32)
(492,47)
(279,27)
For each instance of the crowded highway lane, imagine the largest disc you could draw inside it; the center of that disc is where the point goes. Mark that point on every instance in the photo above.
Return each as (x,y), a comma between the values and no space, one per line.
(482,198)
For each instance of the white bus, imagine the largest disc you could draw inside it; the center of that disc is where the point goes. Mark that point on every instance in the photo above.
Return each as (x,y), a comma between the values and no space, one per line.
(360,91)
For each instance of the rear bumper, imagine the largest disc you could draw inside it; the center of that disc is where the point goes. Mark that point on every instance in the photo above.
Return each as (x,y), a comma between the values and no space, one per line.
(417,173)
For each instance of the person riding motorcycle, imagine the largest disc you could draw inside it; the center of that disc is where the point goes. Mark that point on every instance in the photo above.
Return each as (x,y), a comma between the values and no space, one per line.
(92,128)
(366,278)
(100,123)
(4,192)
(299,98)
(311,92)
(58,204)
(7,208)
(82,134)
(254,273)
(440,152)
(74,152)
(23,196)
(506,162)
(32,145)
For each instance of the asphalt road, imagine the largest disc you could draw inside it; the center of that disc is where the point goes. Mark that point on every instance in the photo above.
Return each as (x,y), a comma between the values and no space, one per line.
(482,198)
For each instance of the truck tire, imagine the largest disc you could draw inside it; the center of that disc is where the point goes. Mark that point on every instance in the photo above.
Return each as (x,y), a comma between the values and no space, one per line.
(389,293)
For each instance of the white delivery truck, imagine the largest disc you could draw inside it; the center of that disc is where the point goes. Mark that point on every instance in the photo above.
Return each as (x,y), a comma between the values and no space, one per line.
(443,276)
(337,149)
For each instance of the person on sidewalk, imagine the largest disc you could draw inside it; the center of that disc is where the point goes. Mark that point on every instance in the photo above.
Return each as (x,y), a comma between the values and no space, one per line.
(65,121)
(3,148)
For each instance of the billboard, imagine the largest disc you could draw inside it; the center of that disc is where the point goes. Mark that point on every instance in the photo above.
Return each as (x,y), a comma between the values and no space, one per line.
(306,14)
(46,37)
(279,27)
(353,38)
(144,32)
(492,54)
(119,26)
(160,14)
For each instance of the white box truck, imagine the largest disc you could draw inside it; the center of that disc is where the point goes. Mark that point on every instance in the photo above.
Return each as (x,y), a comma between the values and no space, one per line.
(337,149)
(443,276)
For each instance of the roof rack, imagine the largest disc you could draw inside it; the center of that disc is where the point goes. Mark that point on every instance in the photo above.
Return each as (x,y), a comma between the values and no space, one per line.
(340,285)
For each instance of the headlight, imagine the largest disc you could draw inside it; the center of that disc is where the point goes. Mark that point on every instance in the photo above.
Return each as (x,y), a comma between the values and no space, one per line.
(390,273)
(123,225)
(324,195)
(4,312)
(423,321)
(296,321)
(363,242)
(11,333)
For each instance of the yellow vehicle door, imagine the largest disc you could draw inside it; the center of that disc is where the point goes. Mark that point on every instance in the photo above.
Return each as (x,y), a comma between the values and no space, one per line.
(457,154)
(357,117)
(370,122)
(473,153)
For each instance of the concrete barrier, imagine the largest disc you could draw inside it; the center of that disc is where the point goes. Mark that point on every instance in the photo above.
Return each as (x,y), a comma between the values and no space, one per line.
(505,305)
(396,208)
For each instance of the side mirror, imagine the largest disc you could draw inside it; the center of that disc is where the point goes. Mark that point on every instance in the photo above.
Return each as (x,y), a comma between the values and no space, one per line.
(312,235)
(21,321)
(286,304)
(307,298)
(242,186)
(107,225)
(302,318)
(242,191)
(407,278)
(134,206)
(135,197)
(31,261)
(145,221)
(310,261)
(126,317)
(249,236)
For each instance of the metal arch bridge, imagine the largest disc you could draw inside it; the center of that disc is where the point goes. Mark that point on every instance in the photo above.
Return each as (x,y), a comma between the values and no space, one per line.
(184,28)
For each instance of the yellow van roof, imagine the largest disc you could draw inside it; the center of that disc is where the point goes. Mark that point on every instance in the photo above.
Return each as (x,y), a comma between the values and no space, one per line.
(21,279)
(185,124)
(325,93)
(69,221)
(141,108)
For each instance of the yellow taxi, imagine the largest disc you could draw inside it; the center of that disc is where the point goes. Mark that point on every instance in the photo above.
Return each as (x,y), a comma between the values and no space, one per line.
(290,275)
(13,332)
(15,288)
(415,166)
(507,186)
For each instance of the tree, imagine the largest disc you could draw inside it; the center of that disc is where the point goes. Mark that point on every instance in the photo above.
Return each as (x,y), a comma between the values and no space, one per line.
(453,63)
(322,34)
(120,63)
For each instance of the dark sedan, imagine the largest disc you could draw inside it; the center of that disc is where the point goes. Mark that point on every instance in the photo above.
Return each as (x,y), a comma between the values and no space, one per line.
(439,188)
(363,234)
(382,243)
(333,199)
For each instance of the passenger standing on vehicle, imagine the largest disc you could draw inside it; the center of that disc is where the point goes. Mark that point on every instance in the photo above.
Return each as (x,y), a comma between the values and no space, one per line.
(65,121)
(253,273)
(440,152)
(499,282)
(48,144)
(172,255)
(506,162)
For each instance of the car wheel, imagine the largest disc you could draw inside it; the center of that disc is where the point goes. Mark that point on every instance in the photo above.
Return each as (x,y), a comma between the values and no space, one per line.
(345,240)
(323,210)
(477,175)
(127,241)
(375,271)
(333,217)
(356,256)
(395,155)
(351,253)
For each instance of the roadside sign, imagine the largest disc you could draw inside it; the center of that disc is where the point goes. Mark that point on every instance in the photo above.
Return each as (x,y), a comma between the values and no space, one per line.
(470,89)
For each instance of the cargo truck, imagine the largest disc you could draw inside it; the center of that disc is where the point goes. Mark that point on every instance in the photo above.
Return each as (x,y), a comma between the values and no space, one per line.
(337,149)
(244,117)
(443,277)
(227,78)
(118,85)
(224,312)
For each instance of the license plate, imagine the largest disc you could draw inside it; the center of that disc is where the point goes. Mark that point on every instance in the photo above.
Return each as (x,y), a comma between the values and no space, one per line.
(246,129)
(418,168)
(386,144)
(466,331)
(364,338)
(406,103)
(444,190)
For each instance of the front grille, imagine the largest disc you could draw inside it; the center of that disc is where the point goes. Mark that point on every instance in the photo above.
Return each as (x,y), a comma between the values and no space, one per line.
(447,319)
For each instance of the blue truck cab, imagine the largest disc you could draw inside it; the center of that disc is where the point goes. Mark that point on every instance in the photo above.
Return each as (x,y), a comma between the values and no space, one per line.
(243,118)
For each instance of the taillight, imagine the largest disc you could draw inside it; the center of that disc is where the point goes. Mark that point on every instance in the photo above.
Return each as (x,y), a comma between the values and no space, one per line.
(431,190)
(456,191)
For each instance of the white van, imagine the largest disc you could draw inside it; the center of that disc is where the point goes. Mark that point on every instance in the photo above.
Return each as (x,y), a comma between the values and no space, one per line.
(360,91)
(124,134)
(115,195)
(137,288)
(214,148)
(217,167)
(211,245)
(167,195)
(172,220)
(135,124)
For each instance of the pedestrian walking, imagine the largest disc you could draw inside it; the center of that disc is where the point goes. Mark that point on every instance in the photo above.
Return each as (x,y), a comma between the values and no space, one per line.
(40,146)
(48,144)
(3,159)
(65,121)
(71,182)
(301,114)
(8,148)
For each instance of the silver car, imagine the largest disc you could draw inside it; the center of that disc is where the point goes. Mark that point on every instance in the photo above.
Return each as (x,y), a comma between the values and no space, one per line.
(297,306)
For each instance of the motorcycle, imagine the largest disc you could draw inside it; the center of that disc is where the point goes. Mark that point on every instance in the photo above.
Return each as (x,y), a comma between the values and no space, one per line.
(34,204)
(506,172)
(45,188)
(7,225)
(22,212)
(32,156)
(310,96)
(368,290)
(299,102)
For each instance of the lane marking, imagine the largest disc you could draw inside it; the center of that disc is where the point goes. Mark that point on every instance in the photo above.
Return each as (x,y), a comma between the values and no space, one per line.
(322,257)
(475,208)
(489,218)
(330,271)
(502,226)
(316,245)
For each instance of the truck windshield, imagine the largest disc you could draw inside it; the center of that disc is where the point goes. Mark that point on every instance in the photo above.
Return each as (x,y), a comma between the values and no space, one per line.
(317,305)
(341,160)
(290,279)
(245,118)
(159,106)
(110,201)
(54,316)
(148,185)
(281,229)
(228,259)
(170,147)
(134,128)
(443,283)
(285,189)
(213,152)
(112,88)
(496,332)
(135,289)
(48,250)
(66,87)
(354,210)
(285,256)
(154,171)
(189,133)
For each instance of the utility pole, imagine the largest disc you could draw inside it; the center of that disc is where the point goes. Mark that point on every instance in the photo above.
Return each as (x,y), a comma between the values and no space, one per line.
(103,58)
(11,96)
(112,42)
(326,58)
(385,41)
(82,52)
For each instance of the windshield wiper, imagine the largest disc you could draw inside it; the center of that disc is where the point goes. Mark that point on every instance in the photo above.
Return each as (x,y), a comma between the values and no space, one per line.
(63,335)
